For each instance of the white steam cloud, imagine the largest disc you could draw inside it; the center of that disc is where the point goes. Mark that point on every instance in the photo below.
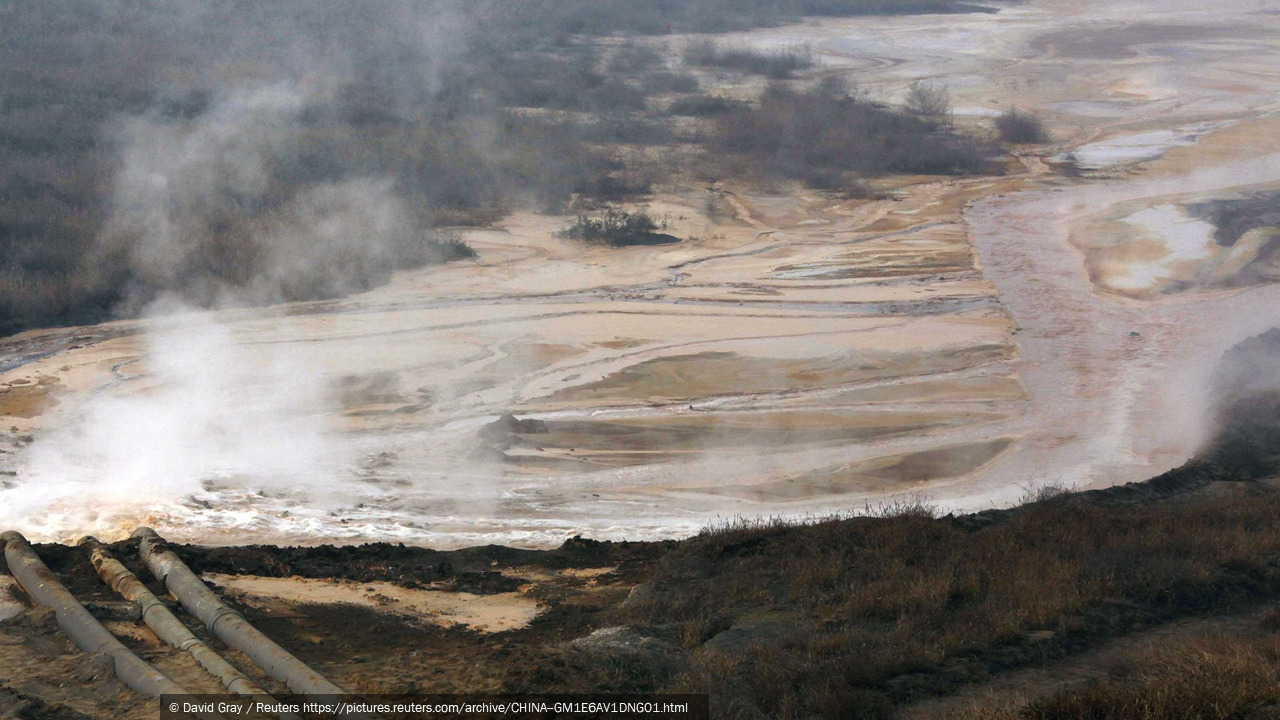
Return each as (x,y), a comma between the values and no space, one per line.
(196,210)
(211,210)
(172,173)
(209,409)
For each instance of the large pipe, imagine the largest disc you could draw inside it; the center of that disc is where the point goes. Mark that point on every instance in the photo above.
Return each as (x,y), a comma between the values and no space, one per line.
(39,583)
(227,624)
(163,623)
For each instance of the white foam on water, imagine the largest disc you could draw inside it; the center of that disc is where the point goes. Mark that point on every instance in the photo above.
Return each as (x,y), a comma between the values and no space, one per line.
(1185,239)
(1135,148)
(1139,276)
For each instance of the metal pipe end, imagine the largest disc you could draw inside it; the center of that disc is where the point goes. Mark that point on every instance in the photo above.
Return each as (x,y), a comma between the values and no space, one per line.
(146,538)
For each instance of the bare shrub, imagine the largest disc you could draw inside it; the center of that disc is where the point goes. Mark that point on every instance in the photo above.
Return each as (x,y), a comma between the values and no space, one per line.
(1019,127)
(1042,493)
(740,526)
(618,228)
(930,101)
(777,64)
(826,139)
(836,86)
(911,506)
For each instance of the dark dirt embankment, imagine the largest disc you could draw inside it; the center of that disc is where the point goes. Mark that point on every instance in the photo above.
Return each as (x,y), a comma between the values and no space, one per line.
(477,570)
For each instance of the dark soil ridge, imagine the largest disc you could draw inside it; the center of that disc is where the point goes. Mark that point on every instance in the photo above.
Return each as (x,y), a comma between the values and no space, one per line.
(14,703)
(1196,474)
(476,570)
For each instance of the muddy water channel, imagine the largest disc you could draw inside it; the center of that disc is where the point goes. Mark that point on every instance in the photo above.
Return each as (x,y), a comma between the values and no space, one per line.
(1120,387)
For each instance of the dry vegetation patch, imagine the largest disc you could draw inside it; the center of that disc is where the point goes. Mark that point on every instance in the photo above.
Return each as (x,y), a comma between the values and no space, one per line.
(1016,126)
(777,64)
(1208,679)
(883,610)
(828,138)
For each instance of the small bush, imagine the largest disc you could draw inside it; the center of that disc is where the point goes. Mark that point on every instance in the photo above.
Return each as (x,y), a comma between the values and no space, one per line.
(911,506)
(819,138)
(836,86)
(618,228)
(1042,493)
(448,246)
(777,64)
(1021,128)
(929,101)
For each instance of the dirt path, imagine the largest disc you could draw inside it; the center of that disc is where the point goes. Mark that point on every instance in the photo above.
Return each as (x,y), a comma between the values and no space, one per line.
(1015,688)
